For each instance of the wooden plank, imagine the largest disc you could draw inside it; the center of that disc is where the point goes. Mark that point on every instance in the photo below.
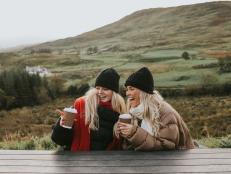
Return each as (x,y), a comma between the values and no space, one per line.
(152,169)
(119,156)
(110,163)
(192,161)
(210,150)
(26,152)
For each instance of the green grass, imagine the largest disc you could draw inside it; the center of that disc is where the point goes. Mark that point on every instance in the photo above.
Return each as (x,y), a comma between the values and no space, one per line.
(223,142)
(210,142)
(169,79)
(167,66)
(166,53)
(45,143)
(32,143)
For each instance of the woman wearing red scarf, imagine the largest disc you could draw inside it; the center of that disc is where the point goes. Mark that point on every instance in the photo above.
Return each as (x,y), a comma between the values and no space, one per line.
(98,111)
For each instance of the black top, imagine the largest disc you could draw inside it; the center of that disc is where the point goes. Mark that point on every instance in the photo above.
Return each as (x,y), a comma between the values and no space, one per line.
(99,139)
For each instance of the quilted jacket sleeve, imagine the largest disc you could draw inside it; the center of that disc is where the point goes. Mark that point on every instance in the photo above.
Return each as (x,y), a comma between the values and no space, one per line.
(167,139)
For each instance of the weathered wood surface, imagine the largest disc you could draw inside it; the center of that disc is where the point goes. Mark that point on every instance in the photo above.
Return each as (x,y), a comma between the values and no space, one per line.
(190,161)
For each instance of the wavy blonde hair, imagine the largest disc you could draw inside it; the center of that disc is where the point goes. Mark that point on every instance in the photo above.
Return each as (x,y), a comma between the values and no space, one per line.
(91,103)
(152,104)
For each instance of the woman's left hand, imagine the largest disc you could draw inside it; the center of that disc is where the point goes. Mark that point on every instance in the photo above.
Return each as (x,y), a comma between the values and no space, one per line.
(125,129)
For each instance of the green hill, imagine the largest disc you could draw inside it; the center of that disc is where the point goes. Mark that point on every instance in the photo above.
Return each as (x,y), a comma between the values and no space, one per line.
(205,25)
(152,37)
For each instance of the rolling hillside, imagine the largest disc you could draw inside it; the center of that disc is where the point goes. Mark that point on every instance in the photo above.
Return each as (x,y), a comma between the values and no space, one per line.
(205,25)
(152,37)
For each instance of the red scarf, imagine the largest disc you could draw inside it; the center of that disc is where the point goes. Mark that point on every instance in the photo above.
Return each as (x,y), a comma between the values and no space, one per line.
(81,137)
(106,105)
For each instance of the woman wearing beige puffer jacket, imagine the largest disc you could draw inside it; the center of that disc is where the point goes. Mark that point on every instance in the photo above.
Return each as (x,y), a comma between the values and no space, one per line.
(156,125)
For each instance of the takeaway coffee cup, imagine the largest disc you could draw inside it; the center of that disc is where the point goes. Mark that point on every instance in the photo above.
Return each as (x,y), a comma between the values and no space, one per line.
(69,116)
(125,118)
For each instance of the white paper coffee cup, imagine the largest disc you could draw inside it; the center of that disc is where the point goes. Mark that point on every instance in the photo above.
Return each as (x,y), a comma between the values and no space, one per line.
(69,116)
(125,118)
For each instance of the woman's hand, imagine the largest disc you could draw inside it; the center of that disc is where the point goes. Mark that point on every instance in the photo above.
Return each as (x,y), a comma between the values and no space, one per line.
(65,121)
(117,130)
(61,113)
(127,130)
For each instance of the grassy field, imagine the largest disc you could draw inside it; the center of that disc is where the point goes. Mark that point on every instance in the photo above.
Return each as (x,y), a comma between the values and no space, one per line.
(168,67)
(30,127)
(210,113)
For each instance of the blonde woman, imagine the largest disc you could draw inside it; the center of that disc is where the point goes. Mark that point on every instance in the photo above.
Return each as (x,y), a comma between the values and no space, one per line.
(156,124)
(98,111)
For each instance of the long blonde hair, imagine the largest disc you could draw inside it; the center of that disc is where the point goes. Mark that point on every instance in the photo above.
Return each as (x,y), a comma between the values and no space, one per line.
(91,103)
(152,104)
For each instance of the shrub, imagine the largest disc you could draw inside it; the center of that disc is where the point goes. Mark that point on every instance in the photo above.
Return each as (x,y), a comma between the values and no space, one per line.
(44,50)
(92,50)
(224,64)
(209,79)
(31,143)
(2,98)
(185,55)
(210,142)
(171,92)
(43,96)
(224,60)
(225,142)
(46,143)
(197,90)
(181,78)
(72,90)
(28,145)
(56,85)
(18,145)
(203,66)
(83,89)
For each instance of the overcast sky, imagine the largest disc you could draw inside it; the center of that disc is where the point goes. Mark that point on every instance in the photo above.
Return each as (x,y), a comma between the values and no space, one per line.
(33,21)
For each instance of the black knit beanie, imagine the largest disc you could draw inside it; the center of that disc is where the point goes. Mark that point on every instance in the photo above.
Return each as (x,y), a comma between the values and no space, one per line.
(108,78)
(141,79)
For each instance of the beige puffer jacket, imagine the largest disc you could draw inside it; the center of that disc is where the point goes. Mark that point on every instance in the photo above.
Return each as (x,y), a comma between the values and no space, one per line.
(173,133)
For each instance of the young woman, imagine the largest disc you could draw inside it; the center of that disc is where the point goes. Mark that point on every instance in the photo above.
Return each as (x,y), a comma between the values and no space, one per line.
(156,124)
(98,111)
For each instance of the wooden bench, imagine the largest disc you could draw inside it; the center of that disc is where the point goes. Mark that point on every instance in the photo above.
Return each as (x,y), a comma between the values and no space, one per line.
(190,161)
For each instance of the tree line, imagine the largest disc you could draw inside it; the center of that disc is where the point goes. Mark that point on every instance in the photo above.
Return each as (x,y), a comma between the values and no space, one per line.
(19,88)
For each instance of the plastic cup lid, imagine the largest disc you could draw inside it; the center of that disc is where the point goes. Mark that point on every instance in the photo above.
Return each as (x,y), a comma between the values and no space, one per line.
(70,110)
(125,116)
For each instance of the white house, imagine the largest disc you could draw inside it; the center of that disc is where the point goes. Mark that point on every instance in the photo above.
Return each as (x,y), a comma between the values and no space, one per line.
(37,69)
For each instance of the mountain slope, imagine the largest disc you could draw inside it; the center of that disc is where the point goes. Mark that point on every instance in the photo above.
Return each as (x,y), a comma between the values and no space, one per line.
(206,25)
(153,37)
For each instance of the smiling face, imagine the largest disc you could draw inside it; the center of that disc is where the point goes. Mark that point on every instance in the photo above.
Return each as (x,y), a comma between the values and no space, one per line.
(133,95)
(104,94)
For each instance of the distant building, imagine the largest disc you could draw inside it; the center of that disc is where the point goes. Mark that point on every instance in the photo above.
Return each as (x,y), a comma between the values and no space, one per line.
(37,69)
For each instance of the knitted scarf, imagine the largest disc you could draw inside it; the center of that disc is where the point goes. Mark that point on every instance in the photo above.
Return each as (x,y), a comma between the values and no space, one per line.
(138,112)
